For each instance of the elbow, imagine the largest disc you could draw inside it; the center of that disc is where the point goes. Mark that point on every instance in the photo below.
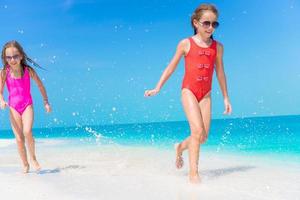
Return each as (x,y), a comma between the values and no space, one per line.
(221,76)
(41,87)
(169,73)
(170,70)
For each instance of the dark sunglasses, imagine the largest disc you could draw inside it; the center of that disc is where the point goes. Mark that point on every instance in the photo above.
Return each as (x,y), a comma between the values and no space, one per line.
(15,57)
(206,24)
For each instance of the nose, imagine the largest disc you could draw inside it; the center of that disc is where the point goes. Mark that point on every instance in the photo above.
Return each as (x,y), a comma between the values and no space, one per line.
(211,27)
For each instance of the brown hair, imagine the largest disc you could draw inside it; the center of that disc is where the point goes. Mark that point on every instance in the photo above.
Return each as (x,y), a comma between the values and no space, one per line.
(25,59)
(197,14)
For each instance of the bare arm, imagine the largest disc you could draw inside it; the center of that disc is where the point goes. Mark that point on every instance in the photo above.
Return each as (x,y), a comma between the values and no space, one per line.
(41,87)
(181,50)
(2,83)
(222,78)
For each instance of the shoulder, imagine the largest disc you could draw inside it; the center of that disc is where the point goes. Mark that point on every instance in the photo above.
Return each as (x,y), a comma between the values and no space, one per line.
(3,71)
(3,75)
(184,41)
(219,45)
(184,45)
(220,48)
(30,70)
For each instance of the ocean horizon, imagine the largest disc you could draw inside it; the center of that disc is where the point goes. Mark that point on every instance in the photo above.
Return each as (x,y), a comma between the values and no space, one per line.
(275,134)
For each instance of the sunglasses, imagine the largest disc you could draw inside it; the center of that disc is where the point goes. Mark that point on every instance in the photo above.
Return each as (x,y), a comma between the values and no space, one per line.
(15,57)
(207,24)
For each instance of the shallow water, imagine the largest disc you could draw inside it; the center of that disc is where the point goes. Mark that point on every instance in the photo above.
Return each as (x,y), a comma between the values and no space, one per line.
(243,159)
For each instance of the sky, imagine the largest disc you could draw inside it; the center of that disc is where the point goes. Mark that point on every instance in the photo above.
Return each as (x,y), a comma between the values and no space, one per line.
(100,56)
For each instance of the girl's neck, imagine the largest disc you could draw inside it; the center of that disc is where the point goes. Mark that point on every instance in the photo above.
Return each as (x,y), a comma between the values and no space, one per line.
(17,68)
(206,40)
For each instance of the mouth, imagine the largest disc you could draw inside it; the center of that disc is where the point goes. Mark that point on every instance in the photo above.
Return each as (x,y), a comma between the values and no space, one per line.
(12,63)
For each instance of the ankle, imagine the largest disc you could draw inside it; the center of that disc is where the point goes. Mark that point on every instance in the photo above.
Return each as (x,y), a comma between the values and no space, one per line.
(25,164)
(179,148)
(193,174)
(33,159)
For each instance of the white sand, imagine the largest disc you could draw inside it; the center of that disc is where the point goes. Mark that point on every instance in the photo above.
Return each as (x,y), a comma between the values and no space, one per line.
(118,172)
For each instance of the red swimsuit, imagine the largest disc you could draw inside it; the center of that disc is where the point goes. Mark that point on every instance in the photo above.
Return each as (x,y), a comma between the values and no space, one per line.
(199,68)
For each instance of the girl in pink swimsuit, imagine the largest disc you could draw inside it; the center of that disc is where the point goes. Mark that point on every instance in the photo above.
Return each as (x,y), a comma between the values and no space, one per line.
(202,56)
(16,73)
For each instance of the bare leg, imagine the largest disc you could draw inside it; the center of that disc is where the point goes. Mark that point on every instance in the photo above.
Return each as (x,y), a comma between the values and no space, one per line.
(184,144)
(16,124)
(205,108)
(198,126)
(27,119)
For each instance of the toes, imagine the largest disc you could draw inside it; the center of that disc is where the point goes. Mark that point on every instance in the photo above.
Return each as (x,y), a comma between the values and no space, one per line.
(179,162)
(26,169)
(179,159)
(36,165)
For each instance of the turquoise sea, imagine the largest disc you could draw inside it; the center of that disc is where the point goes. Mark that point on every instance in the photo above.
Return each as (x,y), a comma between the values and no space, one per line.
(280,134)
(244,158)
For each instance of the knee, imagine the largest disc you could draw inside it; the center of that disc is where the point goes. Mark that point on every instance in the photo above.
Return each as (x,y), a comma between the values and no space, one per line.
(199,134)
(20,139)
(28,135)
(198,130)
(199,138)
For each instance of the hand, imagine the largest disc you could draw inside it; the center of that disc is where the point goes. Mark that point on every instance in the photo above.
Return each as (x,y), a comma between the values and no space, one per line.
(3,104)
(152,92)
(48,108)
(227,105)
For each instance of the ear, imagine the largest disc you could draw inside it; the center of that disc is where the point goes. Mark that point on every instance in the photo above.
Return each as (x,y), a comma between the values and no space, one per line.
(196,23)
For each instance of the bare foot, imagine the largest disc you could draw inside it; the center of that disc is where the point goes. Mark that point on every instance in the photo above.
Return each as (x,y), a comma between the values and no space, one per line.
(26,169)
(195,179)
(179,159)
(36,165)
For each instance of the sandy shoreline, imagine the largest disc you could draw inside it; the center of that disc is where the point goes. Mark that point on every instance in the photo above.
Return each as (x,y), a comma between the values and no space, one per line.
(120,172)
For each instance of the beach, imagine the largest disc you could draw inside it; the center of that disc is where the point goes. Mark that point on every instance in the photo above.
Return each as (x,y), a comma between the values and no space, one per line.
(113,171)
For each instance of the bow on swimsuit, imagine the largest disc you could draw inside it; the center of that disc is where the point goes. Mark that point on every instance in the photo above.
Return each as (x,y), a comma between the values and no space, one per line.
(19,91)
(199,68)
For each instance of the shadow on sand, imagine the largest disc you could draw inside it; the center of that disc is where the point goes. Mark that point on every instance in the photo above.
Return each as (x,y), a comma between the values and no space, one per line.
(216,173)
(60,169)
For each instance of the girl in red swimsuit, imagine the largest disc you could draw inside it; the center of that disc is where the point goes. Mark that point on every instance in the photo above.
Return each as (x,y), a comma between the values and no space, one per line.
(202,55)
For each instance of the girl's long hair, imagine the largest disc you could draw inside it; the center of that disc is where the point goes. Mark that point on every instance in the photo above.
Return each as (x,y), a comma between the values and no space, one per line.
(25,59)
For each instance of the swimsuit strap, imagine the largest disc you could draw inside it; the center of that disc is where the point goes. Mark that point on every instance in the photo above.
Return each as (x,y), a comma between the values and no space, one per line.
(192,42)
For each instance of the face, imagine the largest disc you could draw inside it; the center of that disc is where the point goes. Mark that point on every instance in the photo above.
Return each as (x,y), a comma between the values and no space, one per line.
(13,57)
(207,24)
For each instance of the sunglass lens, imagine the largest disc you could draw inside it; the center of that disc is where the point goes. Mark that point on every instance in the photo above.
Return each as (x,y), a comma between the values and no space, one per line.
(15,57)
(206,24)
(215,24)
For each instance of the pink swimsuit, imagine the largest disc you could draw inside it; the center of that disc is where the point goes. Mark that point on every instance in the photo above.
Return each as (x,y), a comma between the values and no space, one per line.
(19,91)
